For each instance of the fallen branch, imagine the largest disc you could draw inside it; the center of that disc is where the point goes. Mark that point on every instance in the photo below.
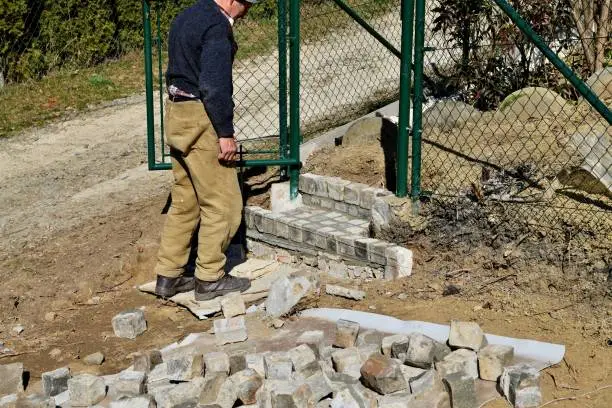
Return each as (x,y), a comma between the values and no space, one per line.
(114,286)
(495,281)
(575,397)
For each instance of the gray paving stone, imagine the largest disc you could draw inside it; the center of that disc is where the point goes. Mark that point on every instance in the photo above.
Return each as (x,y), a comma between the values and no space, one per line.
(352,192)
(347,361)
(129,384)
(387,342)
(143,401)
(304,360)
(383,375)
(212,385)
(399,349)
(335,188)
(94,359)
(459,361)
(368,350)
(349,293)
(398,262)
(129,324)
(521,385)
(291,396)
(319,386)
(370,337)
(285,293)
(230,330)
(182,395)
(423,351)
(278,366)
(314,339)
(184,368)
(56,381)
(86,390)
(247,383)
(411,373)
(346,333)
(255,361)
(377,251)
(232,305)
(146,361)
(461,389)
(492,359)
(466,335)
(308,183)
(216,362)
(8,401)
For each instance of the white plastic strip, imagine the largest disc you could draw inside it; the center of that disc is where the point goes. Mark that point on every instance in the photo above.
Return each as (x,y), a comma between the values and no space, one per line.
(536,353)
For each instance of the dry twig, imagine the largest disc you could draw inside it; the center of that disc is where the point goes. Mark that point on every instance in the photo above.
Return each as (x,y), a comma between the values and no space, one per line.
(575,397)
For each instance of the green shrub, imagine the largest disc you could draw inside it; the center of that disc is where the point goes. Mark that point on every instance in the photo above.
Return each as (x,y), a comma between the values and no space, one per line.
(12,30)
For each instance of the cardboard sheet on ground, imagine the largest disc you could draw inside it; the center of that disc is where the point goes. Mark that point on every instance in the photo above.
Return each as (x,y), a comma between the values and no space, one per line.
(261,272)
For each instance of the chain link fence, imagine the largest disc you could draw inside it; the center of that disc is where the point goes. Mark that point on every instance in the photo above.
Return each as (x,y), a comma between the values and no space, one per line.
(501,125)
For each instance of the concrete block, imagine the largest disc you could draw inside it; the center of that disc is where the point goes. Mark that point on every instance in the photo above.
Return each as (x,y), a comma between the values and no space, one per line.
(387,342)
(280,198)
(347,361)
(247,383)
(346,333)
(327,203)
(459,361)
(237,356)
(12,378)
(341,206)
(86,390)
(129,324)
(345,245)
(423,382)
(185,368)
(353,210)
(55,382)
(212,385)
(230,330)
(296,231)
(217,362)
(278,366)
(370,337)
(259,219)
(521,386)
(255,361)
(335,187)
(348,293)
(368,350)
(399,349)
(466,335)
(492,359)
(383,375)
(143,401)
(461,389)
(308,183)
(423,351)
(129,384)
(377,251)
(314,339)
(146,361)
(398,262)
(411,373)
(361,248)
(304,360)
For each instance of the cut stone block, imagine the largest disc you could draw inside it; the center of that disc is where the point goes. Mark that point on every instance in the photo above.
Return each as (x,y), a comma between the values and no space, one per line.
(347,361)
(411,373)
(462,390)
(184,368)
(346,333)
(129,324)
(285,293)
(370,337)
(12,378)
(315,339)
(398,262)
(368,350)
(157,374)
(212,385)
(459,361)
(256,362)
(466,335)
(247,383)
(129,384)
(313,184)
(348,293)
(521,386)
(335,188)
(319,386)
(232,305)
(146,361)
(304,360)
(55,382)
(383,375)
(184,394)
(143,401)
(8,401)
(86,390)
(399,349)
(230,330)
(387,342)
(278,366)
(32,401)
(291,396)
(280,198)
(217,362)
(352,192)
(492,359)
(348,397)
(423,351)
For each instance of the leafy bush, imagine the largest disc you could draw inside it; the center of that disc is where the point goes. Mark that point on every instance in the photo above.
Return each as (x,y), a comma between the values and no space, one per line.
(12,30)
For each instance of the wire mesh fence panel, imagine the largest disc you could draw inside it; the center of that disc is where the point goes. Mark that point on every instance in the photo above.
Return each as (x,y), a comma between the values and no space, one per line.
(504,126)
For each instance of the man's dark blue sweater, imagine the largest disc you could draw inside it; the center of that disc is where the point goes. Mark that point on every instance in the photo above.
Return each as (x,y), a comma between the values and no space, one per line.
(201,52)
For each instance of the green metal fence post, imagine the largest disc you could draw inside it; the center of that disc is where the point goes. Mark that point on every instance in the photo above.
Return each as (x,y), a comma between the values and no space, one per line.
(404,105)
(282,79)
(555,60)
(148,61)
(161,79)
(417,116)
(294,93)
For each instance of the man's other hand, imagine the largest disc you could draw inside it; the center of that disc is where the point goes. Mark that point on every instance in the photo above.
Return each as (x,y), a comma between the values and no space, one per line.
(227,149)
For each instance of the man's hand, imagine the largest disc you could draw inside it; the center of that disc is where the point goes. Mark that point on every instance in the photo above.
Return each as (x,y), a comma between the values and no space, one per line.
(227,149)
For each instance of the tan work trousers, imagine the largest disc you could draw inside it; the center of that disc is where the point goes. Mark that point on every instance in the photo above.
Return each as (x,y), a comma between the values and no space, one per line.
(204,190)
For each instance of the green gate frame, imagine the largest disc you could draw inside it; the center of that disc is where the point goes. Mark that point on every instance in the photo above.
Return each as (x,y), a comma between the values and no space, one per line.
(412,44)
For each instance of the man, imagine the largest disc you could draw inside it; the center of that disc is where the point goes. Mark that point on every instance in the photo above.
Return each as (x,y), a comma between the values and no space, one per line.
(200,132)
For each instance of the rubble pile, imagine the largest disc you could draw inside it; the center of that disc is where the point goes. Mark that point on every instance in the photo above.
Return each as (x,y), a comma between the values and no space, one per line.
(352,368)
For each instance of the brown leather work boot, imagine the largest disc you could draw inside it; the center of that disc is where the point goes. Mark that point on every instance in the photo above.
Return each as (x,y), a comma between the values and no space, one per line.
(227,284)
(168,287)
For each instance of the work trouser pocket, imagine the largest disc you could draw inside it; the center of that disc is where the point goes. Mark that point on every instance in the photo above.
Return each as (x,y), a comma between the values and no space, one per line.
(185,123)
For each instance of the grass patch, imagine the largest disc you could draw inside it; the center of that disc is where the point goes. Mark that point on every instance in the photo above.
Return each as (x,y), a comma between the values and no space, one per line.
(67,91)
